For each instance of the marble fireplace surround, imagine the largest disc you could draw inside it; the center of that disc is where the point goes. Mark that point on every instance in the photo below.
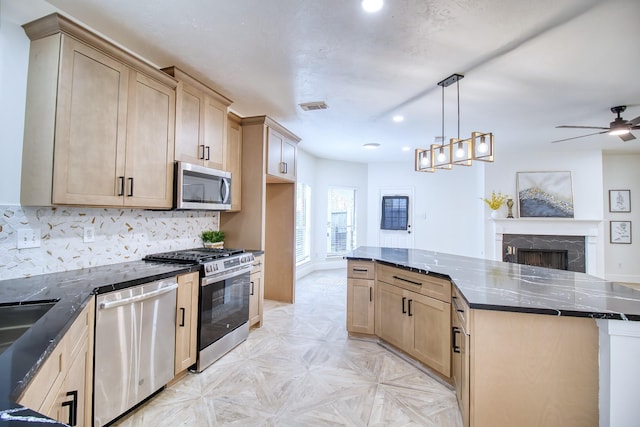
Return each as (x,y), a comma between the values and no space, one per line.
(551,227)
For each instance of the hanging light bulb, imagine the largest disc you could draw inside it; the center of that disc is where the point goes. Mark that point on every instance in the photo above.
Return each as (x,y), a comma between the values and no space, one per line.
(482,147)
(424,161)
(441,156)
(460,151)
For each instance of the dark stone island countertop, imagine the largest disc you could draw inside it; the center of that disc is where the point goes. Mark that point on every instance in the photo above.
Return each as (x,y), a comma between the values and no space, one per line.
(502,286)
(72,291)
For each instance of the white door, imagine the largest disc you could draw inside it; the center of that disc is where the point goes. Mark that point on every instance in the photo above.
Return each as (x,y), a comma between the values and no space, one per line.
(395,232)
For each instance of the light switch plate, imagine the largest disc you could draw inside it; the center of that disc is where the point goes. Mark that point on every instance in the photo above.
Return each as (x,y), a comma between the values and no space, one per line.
(28,238)
(89,234)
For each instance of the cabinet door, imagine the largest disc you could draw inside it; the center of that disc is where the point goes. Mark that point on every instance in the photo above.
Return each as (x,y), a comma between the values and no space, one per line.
(360,306)
(274,152)
(91,122)
(254,299)
(289,159)
(150,144)
(391,308)
(189,146)
(234,163)
(186,321)
(215,133)
(429,334)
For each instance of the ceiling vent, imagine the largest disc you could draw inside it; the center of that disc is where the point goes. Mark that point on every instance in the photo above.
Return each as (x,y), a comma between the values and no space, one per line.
(312,106)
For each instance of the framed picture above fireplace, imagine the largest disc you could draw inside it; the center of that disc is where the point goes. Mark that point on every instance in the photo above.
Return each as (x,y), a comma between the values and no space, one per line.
(620,232)
(619,200)
(545,194)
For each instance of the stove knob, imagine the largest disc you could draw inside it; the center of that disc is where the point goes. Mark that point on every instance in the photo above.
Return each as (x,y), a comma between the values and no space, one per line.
(207,268)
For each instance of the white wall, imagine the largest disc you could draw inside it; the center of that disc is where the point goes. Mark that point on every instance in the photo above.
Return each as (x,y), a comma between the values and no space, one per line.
(448,213)
(622,172)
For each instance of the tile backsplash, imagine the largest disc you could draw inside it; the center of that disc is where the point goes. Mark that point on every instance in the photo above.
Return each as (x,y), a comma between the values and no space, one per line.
(120,235)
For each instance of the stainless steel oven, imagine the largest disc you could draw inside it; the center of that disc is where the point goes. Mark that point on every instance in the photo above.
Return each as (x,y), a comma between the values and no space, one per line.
(223,301)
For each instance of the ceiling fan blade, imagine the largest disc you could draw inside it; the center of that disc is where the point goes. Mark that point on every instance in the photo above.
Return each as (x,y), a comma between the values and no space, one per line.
(635,121)
(627,137)
(580,127)
(576,137)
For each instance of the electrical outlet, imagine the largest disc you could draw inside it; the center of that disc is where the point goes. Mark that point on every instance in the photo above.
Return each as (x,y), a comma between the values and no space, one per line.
(28,238)
(89,234)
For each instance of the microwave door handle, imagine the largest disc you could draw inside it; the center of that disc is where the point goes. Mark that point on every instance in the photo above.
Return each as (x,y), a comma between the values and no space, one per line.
(224,190)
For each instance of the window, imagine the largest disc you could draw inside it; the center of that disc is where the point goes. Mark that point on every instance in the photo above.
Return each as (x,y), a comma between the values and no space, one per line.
(342,221)
(303,222)
(395,213)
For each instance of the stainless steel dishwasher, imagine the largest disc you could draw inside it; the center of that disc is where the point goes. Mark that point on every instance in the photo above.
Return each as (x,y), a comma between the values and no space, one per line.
(134,346)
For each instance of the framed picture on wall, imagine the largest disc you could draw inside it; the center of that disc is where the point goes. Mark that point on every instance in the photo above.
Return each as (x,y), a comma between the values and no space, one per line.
(620,232)
(619,200)
(545,194)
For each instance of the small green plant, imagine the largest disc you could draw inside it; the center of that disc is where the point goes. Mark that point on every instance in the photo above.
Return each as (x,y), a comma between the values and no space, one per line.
(212,236)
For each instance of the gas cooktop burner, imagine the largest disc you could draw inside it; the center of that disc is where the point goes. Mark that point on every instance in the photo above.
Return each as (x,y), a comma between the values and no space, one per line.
(189,256)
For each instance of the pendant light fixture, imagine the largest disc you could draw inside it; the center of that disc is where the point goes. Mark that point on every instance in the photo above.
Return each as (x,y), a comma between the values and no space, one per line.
(458,151)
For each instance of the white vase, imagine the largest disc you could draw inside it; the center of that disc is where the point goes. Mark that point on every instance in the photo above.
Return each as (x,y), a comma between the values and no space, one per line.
(495,214)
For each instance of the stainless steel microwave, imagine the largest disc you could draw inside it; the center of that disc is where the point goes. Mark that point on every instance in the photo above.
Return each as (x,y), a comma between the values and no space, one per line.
(198,187)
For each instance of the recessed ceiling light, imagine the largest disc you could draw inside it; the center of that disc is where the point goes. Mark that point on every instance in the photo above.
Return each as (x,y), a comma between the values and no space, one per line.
(372,5)
(406,148)
(398,118)
(371,146)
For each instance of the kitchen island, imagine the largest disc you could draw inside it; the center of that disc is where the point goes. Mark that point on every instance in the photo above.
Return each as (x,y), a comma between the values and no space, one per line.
(538,345)
(70,292)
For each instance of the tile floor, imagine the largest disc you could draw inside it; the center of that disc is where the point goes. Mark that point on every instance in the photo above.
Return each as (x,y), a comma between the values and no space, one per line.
(300,369)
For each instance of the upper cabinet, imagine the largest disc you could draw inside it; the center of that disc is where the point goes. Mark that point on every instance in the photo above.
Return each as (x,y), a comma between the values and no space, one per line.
(99,122)
(234,160)
(281,156)
(201,122)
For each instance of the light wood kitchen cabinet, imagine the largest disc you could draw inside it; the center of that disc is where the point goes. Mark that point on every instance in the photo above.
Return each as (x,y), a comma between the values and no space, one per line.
(234,160)
(201,121)
(408,317)
(256,293)
(267,219)
(460,353)
(62,387)
(281,156)
(186,321)
(98,122)
(360,297)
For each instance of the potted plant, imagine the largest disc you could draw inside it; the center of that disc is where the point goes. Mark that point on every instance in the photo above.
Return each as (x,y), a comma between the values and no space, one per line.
(495,202)
(212,238)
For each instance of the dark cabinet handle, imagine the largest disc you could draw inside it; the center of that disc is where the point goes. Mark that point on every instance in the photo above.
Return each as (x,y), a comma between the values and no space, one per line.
(454,332)
(252,288)
(370,294)
(208,153)
(403,309)
(408,281)
(361,270)
(121,179)
(409,307)
(73,407)
(130,187)
(202,155)
(182,311)
(455,304)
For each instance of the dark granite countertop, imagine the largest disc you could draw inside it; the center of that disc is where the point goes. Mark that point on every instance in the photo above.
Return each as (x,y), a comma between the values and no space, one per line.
(72,290)
(502,286)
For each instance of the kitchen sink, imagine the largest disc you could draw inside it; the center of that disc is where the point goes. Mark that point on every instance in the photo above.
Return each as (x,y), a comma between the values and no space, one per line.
(16,319)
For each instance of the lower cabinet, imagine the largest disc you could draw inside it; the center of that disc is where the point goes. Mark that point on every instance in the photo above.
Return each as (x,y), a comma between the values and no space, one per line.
(360,297)
(62,387)
(256,293)
(186,321)
(460,340)
(415,323)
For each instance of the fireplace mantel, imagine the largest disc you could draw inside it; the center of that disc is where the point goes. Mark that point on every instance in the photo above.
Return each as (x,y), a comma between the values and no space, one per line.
(588,228)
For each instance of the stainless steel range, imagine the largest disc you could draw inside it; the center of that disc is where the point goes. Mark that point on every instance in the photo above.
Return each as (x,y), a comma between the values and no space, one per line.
(223,302)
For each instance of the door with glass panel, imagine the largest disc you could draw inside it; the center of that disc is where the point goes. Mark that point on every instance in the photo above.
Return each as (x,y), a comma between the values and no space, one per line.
(395,218)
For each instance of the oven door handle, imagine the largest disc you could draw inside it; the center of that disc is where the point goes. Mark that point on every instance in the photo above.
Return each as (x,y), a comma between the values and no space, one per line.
(213,279)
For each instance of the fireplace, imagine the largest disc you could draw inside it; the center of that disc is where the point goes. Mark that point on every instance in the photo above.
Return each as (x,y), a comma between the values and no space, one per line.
(560,252)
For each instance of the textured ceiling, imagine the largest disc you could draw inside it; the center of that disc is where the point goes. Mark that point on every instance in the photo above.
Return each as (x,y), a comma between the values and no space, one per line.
(529,66)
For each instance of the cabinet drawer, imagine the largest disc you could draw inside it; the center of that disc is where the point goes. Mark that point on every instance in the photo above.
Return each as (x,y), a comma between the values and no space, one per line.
(415,282)
(461,308)
(360,270)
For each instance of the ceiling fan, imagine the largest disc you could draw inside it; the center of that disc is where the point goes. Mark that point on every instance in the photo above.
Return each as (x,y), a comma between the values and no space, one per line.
(619,127)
